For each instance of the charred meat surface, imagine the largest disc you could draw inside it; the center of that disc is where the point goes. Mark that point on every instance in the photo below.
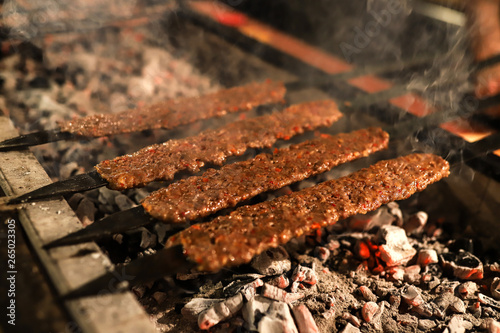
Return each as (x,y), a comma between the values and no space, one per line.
(235,239)
(180,111)
(200,196)
(163,161)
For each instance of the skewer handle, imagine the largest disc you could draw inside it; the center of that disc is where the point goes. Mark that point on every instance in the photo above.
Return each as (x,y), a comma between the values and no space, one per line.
(33,139)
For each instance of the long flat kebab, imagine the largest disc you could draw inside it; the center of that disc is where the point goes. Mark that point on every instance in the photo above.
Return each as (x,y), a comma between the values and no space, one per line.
(199,196)
(180,111)
(163,161)
(236,238)
(167,114)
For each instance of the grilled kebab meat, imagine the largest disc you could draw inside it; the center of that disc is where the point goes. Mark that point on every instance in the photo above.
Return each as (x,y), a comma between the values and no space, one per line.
(249,230)
(200,196)
(180,111)
(163,161)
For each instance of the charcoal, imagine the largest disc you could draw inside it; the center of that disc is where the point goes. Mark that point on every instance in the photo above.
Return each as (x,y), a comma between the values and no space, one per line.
(395,211)
(244,285)
(488,301)
(350,328)
(367,294)
(369,311)
(494,327)
(378,218)
(353,320)
(457,305)
(426,324)
(86,211)
(254,309)
(416,223)
(159,297)
(475,309)
(277,319)
(328,314)
(70,169)
(220,311)
(304,274)
(161,230)
(148,239)
(272,262)
(456,325)
(412,274)
(411,295)
(279,295)
(322,253)
(280,281)
(107,196)
(197,305)
(427,257)
(123,202)
(395,248)
(494,267)
(495,288)
(464,265)
(250,290)
(304,319)
(75,199)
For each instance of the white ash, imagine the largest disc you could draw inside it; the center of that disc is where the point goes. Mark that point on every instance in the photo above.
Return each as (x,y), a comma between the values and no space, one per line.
(220,311)
(280,295)
(197,305)
(278,319)
(395,248)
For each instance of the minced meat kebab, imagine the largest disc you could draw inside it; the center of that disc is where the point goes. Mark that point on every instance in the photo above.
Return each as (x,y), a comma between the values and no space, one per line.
(163,161)
(249,230)
(200,196)
(180,111)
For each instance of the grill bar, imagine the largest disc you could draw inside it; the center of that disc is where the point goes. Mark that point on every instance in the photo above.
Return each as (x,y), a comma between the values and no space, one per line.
(67,268)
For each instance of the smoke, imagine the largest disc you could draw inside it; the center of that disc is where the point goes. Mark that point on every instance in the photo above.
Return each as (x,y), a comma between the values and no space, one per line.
(30,20)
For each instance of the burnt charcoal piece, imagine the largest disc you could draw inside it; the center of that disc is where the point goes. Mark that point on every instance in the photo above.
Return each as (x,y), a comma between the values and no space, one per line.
(200,196)
(180,111)
(39,82)
(234,239)
(163,161)
(464,265)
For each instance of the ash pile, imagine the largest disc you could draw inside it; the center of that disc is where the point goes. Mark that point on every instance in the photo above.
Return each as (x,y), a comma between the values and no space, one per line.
(405,268)
(388,271)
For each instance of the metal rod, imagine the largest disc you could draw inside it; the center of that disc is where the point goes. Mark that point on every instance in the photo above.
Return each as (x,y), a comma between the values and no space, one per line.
(78,183)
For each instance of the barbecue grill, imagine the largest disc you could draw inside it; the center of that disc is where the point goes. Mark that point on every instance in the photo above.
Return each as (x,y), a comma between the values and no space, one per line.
(416,89)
